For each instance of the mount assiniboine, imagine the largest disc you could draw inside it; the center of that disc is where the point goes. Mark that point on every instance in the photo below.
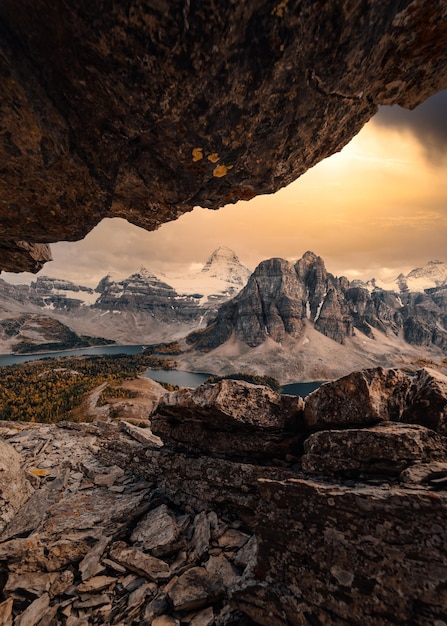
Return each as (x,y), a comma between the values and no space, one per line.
(295,322)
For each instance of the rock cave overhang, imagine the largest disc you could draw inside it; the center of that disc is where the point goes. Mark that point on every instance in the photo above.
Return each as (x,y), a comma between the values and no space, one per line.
(144,110)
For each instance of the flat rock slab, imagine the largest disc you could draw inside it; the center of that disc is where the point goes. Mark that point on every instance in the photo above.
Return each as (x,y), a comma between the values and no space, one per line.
(35,583)
(140,563)
(34,612)
(220,566)
(165,620)
(386,449)
(6,612)
(196,588)
(91,509)
(202,534)
(95,584)
(157,528)
(142,435)
(204,618)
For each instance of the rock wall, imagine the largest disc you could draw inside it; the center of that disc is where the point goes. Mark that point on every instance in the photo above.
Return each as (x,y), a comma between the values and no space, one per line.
(145,110)
(280,297)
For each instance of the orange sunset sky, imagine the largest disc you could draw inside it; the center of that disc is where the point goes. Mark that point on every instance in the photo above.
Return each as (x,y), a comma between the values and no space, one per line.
(377,208)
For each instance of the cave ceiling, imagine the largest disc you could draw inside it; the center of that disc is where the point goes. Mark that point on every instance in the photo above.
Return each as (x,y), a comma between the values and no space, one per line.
(147,108)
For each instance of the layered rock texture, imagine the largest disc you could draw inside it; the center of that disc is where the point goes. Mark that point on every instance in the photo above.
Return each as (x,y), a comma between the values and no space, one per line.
(280,299)
(116,527)
(145,292)
(244,420)
(148,110)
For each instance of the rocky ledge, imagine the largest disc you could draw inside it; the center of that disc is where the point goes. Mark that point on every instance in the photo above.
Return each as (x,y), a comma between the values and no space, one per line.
(341,521)
(145,110)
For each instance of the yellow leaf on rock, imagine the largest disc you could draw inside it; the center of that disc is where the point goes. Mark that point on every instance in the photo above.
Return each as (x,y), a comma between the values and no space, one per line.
(39,472)
(197,154)
(221,170)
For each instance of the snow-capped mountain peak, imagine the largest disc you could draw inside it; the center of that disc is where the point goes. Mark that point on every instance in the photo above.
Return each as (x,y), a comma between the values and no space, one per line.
(225,265)
(144,274)
(221,278)
(432,274)
(433,270)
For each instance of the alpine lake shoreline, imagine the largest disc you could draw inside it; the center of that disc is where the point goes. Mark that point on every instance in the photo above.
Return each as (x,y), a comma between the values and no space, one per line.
(175,377)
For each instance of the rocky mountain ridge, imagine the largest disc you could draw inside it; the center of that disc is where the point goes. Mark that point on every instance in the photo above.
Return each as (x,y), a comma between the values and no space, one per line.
(221,277)
(328,510)
(419,279)
(140,308)
(284,312)
(280,297)
(190,298)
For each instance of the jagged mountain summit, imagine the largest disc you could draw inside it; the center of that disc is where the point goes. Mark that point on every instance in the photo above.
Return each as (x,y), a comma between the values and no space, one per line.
(142,307)
(225,265)
(296,321)
(432,274)
(187,298)
(145,292)
(221,278)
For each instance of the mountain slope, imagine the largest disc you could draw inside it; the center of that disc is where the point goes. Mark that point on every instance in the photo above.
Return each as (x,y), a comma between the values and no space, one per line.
(432,274)
(36,333)
(144,292)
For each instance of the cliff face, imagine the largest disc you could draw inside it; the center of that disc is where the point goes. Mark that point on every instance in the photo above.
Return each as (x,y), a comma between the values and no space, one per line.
(279,299)
(145,110)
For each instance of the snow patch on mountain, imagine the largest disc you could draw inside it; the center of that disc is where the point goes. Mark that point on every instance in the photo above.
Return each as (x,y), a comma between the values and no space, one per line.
(432,274)
(49,288)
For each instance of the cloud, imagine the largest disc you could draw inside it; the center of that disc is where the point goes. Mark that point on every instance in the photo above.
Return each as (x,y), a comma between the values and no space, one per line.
(427,123)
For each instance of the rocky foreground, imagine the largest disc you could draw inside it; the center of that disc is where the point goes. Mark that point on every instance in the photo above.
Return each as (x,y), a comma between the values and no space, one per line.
(237,506)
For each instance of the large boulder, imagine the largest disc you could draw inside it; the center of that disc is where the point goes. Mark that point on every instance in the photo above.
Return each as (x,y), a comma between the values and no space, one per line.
(232,418)
(427,400)
(145,110)
(385,449)
(360,399)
